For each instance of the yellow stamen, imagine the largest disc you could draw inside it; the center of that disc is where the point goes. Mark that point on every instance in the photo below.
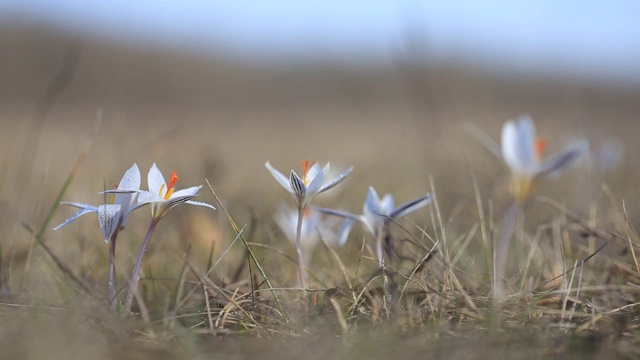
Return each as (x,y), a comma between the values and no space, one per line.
(112,198)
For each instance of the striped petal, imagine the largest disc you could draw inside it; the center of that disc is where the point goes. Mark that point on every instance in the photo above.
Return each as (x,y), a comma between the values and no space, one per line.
(411,206)
(560,161)
(298,186)
(342,214)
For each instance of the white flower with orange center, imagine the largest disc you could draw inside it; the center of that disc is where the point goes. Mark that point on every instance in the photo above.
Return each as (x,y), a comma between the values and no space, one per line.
(523,154)
(163,197)
(303,189)
(311,183)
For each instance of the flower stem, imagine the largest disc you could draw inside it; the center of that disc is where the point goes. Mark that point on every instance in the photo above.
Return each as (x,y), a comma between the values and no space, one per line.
(112,270)
(301,263)
(135,277)
(389,285)
(379,251)
(501,252)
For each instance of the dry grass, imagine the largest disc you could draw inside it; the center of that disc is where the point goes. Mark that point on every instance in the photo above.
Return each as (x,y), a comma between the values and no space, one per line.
(202,296)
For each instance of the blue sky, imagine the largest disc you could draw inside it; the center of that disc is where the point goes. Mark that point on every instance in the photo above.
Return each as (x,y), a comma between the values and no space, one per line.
(593,39)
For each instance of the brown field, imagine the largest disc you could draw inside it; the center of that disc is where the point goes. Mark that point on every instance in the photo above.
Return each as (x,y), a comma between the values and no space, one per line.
(404,128)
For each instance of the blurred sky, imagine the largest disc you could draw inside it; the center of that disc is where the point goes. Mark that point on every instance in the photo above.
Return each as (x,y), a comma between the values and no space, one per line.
(585,39)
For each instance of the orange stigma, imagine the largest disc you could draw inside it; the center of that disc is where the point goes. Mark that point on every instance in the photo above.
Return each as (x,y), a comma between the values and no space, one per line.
(539,148)
(172,183)
(305,168)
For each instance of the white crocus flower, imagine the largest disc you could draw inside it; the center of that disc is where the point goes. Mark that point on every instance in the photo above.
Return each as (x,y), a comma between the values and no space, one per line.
(311,183)
(376,213)
(313,227)
(163,197)
(303,189)
(113,216)
(522,152)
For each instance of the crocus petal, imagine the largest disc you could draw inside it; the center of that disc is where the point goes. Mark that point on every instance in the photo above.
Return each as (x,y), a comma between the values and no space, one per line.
(335,181)
(344,230)
(518,140)
(155,180)
(314,170)
(176,201)
(386,204)
(108,219)
(606,155)
(191,191)
(558,162)
(371,222)
(373,214)
(131,179)
(298,186)
(198,203)
(411,206)
(310,223)
(124,214)
(136,207)
(117,192)
(84,211)
(282,180)
(315,184)
(130,182)
(145,197)
(372,202)
(310,232)
(79,205)
(325,233)
(342,214)
(286,220)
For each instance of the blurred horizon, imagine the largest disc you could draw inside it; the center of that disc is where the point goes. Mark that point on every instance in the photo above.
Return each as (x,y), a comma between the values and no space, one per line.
(596,42)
